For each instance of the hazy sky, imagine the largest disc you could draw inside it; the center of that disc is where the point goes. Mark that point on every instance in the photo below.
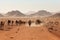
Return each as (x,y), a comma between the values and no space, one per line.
(29,5)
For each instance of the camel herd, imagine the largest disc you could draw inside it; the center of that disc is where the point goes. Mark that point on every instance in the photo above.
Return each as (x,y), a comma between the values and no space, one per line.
(18,22)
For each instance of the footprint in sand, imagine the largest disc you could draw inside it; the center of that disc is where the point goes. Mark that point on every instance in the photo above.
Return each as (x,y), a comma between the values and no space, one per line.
(11,37)
(17,30)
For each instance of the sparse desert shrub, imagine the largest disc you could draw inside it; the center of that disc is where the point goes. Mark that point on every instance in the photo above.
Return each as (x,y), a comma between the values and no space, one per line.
(50,29)
(52,25)
(49,24)
(56,23)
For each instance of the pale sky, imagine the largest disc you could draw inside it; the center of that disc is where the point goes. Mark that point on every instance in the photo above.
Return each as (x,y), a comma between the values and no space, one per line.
(29,5)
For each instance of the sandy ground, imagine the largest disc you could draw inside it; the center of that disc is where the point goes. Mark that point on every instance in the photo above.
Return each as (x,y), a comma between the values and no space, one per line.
(27,33)
(24,32)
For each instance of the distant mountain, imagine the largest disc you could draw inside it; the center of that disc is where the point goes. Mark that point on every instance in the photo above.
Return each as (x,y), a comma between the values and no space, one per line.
(42,13)
(14,14)
(30,12)
(56,15)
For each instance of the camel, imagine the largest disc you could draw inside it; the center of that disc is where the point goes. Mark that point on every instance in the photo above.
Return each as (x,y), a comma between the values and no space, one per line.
(38,22)
(20,22)
(23,22)
(1,25)
(17,22)
(9,21)
(12,22)
(29,22)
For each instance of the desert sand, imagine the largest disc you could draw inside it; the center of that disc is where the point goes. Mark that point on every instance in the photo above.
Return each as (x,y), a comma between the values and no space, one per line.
(24,32)
(27,33)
